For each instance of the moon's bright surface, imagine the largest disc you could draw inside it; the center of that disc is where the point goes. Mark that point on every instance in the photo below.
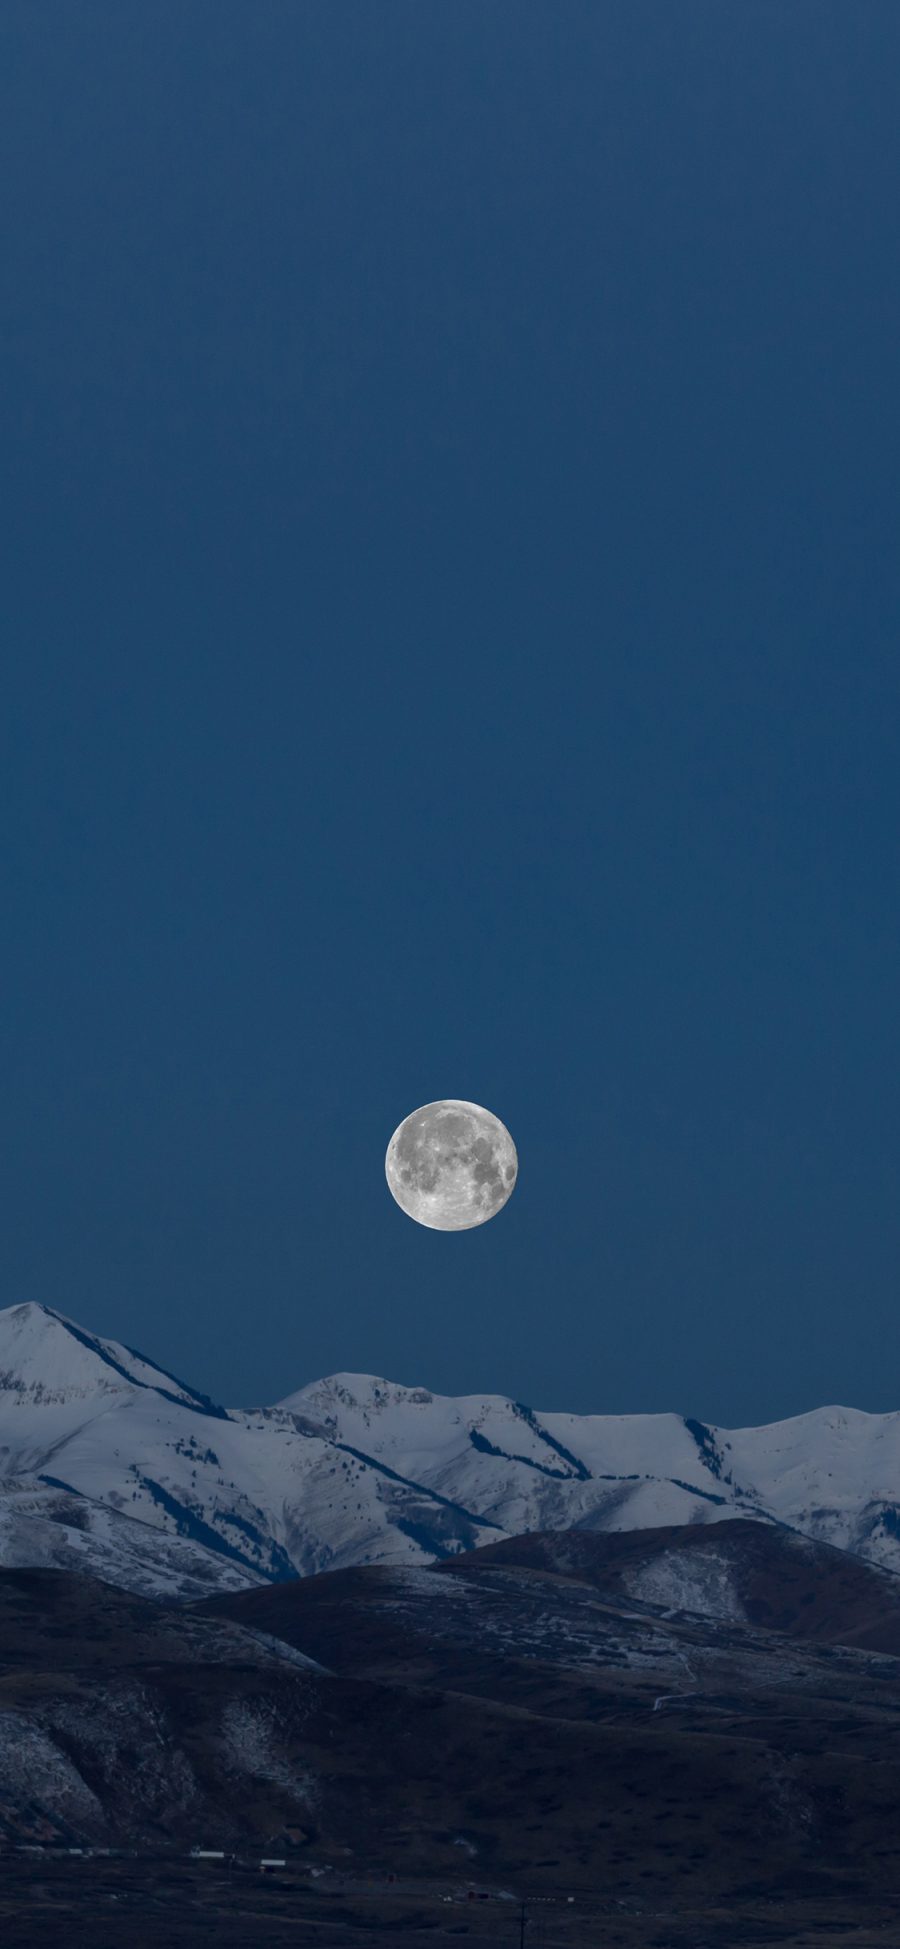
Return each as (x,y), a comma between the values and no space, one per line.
(451,1165)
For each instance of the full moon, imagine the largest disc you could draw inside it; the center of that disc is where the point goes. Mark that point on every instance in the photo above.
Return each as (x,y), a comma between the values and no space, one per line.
(451,1165)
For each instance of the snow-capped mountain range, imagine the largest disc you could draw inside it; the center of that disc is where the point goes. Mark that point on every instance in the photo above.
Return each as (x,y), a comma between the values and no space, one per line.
(108,1462)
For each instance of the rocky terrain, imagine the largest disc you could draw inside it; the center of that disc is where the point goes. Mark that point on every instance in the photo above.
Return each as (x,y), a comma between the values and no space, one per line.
(527,1722)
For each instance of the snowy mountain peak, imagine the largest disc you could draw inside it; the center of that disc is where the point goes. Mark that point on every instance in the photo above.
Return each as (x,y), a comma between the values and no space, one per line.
(329,1400)
(46,1359)
(358,1469)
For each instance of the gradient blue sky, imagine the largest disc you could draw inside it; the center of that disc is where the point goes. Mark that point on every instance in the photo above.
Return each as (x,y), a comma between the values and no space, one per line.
(451,605)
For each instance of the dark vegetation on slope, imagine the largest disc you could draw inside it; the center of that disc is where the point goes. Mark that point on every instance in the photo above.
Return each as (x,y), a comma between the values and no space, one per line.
(515,1716)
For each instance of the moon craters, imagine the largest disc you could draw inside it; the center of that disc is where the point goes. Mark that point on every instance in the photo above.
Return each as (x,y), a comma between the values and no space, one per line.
(451,1165)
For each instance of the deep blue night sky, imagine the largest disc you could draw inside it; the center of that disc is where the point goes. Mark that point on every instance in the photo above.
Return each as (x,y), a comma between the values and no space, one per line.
(451,603)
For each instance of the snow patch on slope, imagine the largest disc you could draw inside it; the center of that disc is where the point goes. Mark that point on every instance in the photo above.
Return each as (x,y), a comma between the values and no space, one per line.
(698,1580)
(252,1739)
(47,1528)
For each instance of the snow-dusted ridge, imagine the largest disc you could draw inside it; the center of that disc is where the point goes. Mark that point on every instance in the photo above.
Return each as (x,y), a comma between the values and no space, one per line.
(177,1490)
(62,1362)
